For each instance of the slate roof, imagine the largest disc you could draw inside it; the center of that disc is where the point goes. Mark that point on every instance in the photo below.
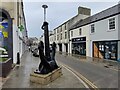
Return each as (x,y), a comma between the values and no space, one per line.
(97,17)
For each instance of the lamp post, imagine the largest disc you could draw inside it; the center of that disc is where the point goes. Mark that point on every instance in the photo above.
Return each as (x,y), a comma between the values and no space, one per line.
(46,34)
(45,7)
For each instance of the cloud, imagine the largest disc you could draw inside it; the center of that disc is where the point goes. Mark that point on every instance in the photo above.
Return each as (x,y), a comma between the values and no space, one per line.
(57,13)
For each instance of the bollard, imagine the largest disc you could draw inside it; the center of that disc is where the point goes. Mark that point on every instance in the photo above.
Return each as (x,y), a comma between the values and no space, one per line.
(18,58)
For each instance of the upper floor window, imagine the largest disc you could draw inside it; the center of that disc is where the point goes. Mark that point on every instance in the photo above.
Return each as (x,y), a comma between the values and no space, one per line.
(61,36)
(92,28)
(80,31)
(71,33)
(65,35)
(65,26)
(61,29)
(54,31)
(57,30)
(111,23)
(57,37)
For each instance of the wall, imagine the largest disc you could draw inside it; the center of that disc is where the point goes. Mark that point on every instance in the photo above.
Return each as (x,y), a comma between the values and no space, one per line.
(85,33)
(18,45)
(101,30)
(119,50)
(8,6)
(102,33)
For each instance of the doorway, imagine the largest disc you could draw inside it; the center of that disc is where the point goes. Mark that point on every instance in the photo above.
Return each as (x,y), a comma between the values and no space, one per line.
(66,47)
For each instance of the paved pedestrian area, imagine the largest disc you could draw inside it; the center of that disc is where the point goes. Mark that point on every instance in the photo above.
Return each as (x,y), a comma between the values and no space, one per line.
(20,76)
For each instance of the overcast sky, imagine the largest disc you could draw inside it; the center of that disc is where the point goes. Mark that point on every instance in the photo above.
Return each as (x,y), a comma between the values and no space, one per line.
(57,13)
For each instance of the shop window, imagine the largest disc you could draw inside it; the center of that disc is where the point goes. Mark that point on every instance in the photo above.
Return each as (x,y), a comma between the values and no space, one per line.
(111,23)
(57,37)
(79,48)
(61,36)
(65,35)
(111,50)
(105,49)
(3,39)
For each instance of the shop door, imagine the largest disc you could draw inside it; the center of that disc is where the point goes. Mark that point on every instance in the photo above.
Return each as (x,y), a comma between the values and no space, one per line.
(95,50)
(66,46)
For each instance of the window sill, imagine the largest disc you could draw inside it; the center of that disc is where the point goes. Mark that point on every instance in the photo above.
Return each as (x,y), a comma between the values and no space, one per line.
(111,30)
(92,33)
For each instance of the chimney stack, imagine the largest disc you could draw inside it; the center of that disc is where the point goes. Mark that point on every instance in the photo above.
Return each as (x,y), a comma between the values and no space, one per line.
(84,11)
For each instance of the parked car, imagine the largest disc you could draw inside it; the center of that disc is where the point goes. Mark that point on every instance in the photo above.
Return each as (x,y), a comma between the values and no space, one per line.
(36,52)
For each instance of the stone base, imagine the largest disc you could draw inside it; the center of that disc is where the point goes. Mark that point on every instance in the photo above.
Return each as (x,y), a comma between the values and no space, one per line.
(47,78)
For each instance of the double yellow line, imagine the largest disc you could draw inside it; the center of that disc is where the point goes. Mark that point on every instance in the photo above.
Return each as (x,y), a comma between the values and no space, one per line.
(89,83)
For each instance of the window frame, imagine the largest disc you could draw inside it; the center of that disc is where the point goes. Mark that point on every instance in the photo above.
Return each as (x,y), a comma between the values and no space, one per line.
(71,33)
(92,28)
(112,21)
(65,35)
(61,36)
(80,31)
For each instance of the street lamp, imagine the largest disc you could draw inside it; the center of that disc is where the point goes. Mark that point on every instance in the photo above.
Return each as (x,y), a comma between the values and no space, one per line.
(44,6)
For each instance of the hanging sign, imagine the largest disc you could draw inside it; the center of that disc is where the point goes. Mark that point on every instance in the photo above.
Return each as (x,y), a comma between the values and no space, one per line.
(21,28)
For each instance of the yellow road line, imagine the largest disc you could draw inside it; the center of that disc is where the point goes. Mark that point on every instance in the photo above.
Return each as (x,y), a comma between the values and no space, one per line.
(82,77)
(86,86)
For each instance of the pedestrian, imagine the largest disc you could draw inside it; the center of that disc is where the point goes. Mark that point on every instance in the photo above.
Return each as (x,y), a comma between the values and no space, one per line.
(53,51)
(29,48)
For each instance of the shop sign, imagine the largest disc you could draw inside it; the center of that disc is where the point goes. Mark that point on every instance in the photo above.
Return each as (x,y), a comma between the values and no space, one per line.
(79,39)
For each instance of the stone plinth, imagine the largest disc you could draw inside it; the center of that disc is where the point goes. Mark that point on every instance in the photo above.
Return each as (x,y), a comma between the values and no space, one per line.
(47,78)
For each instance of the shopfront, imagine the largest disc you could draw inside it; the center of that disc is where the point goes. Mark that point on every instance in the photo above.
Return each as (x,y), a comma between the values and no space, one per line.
(6,44)
(79,46)
(105,49)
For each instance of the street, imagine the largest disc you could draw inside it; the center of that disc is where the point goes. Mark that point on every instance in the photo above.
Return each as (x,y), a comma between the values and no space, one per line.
(74,70)
(99,75)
